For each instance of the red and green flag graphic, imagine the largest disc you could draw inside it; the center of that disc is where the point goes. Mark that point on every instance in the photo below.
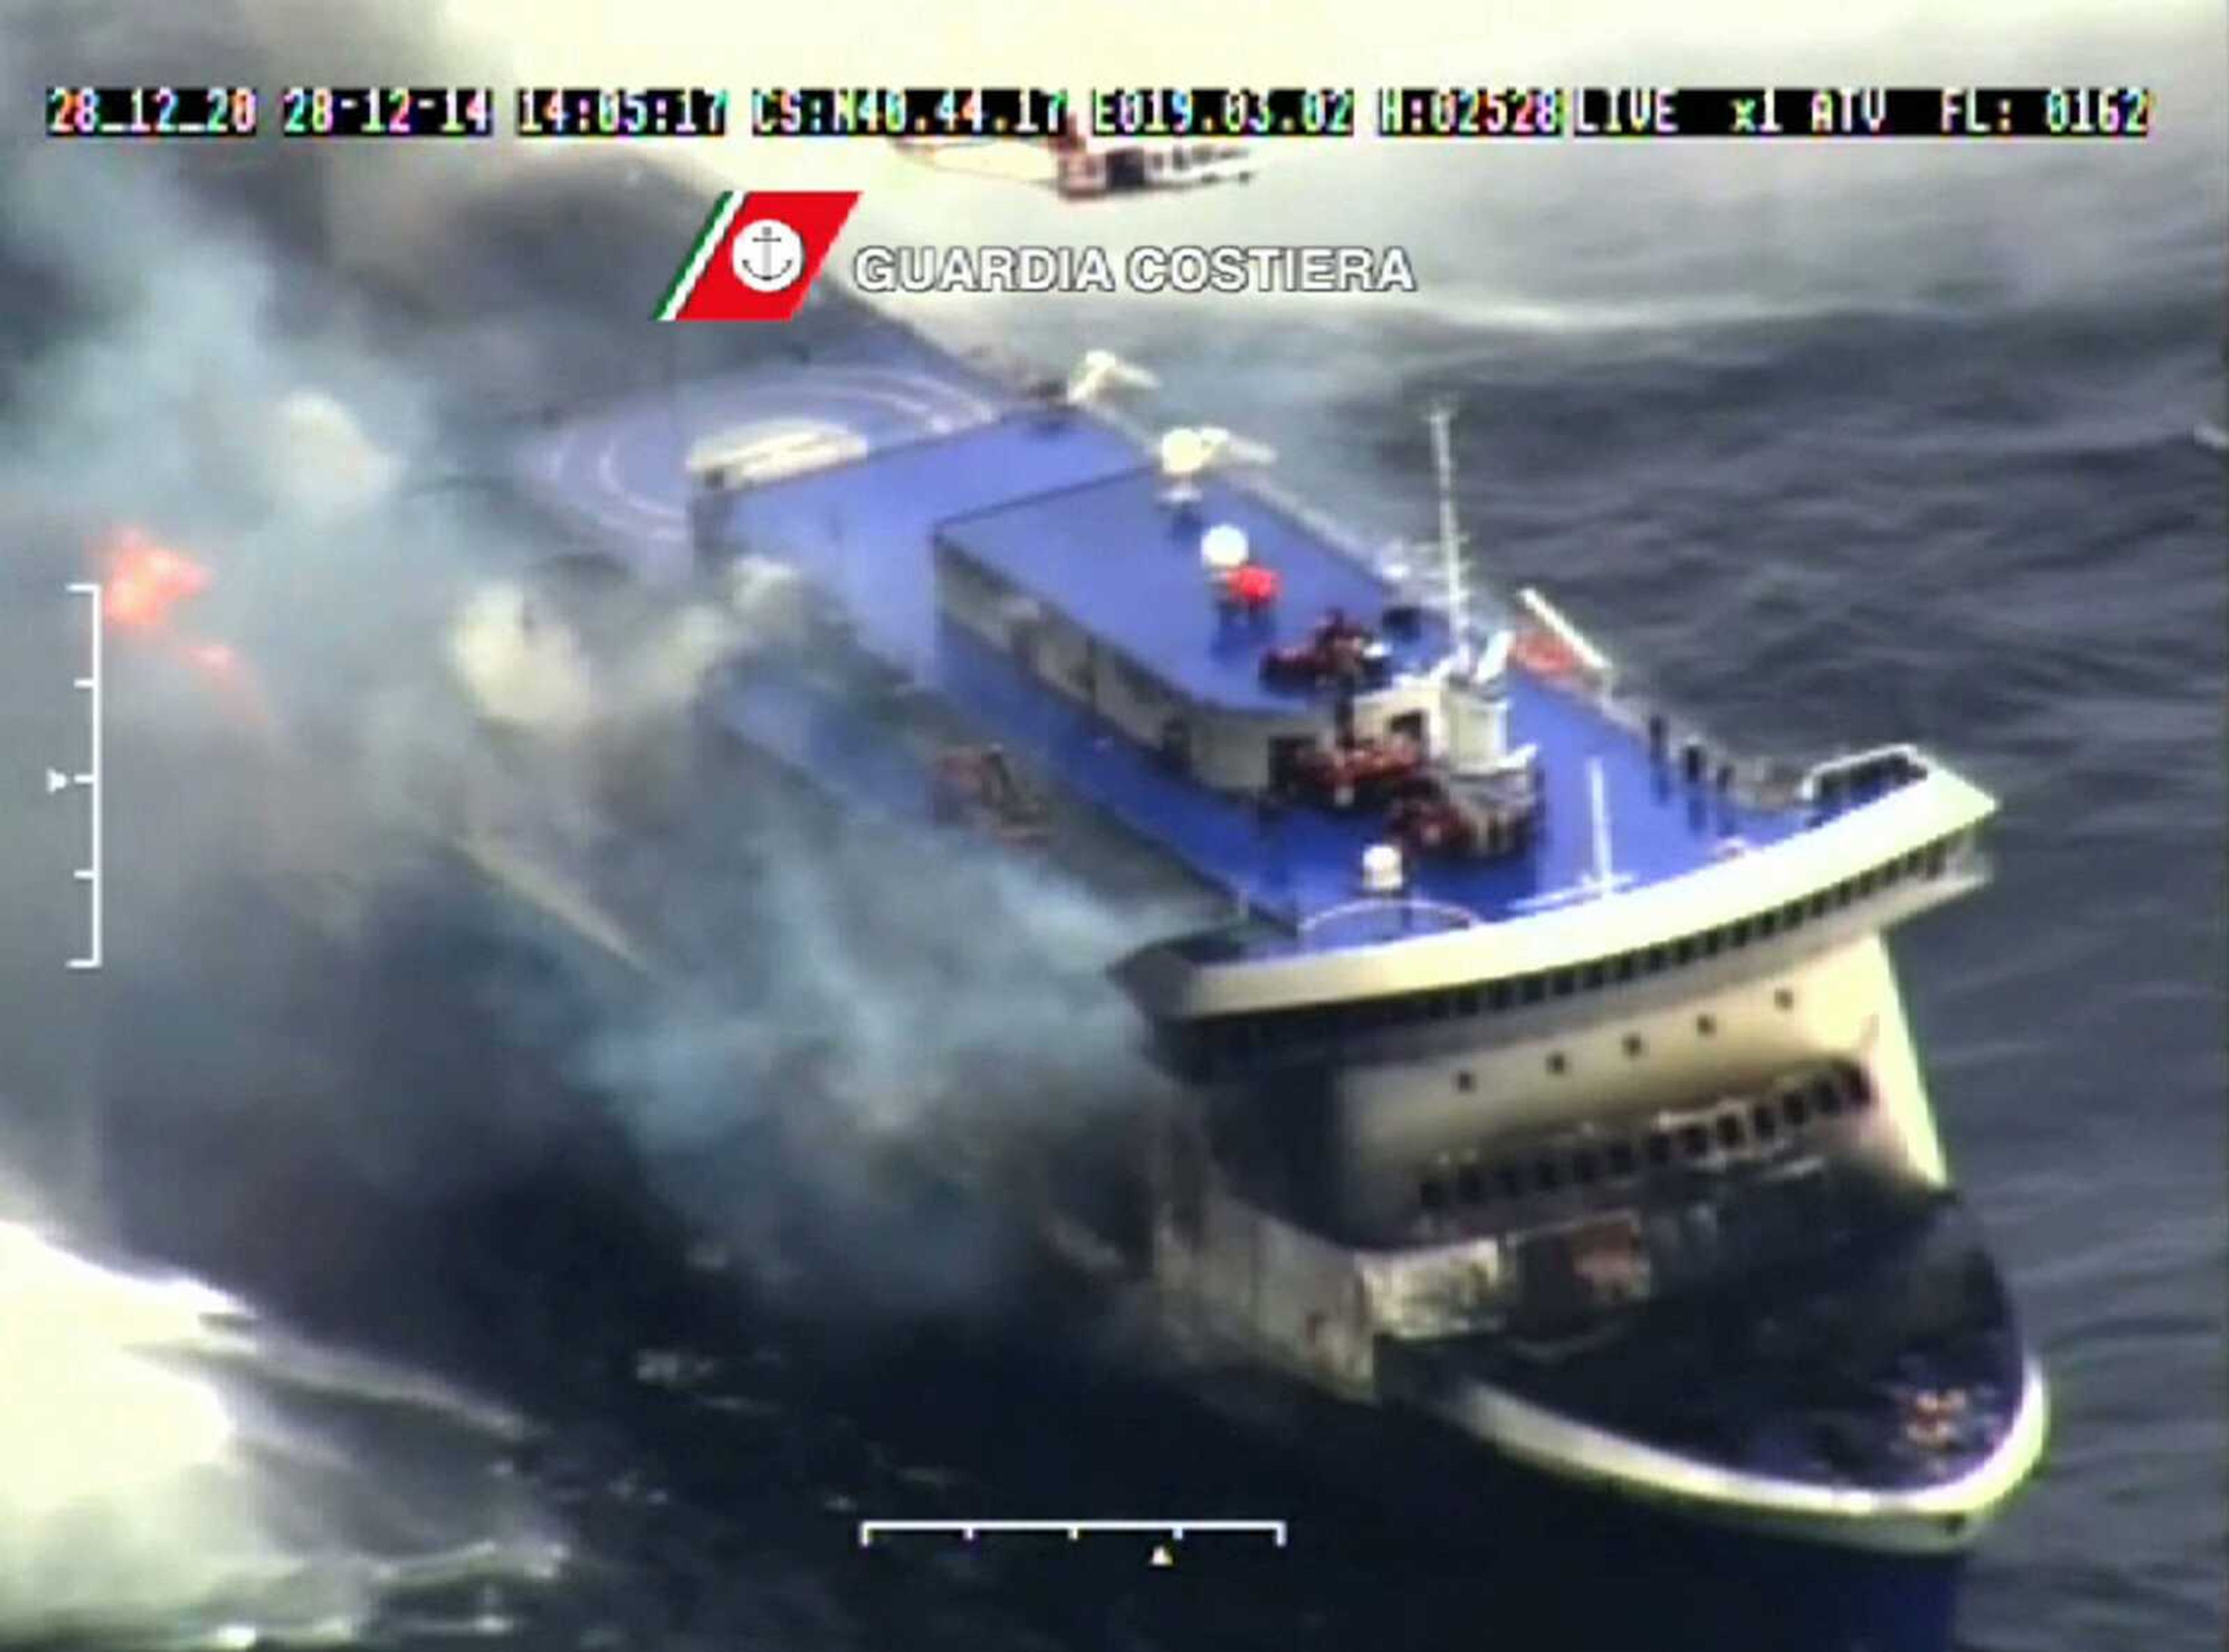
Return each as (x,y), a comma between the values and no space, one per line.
(757,255)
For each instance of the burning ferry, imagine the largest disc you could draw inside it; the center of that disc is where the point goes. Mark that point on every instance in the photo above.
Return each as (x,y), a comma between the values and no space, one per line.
(1548,1083)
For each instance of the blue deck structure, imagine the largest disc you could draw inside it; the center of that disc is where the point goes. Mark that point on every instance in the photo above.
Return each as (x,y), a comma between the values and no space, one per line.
(1066,506)
(1125,566)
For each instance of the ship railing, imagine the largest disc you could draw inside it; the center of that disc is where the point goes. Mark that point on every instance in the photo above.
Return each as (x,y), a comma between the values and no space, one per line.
(1408,908)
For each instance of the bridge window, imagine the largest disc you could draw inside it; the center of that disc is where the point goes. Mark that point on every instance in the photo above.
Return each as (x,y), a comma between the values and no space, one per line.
(1433,1192)
(1730,1130)
(1621,1158)
(1796,1107)
(1626,966)
(1826,1097)
(1818,905)
(1712,940)
(1763,1120)
(1498,996)
(1767,924)
(1467,1000)
(1683,952)
(1547,1175)
(1938,855)
(1694,1141)
(1660,1149)
(1531,989)
(1509,1181)
(1855,1086)
(1593,976)
(1586,1169)
(1470,1186)
(1561,983)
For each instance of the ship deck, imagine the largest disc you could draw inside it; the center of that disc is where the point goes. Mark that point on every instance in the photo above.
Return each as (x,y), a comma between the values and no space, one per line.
(935,446)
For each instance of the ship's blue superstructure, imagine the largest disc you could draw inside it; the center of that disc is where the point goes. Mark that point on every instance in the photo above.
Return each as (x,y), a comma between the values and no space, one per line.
(1068,508)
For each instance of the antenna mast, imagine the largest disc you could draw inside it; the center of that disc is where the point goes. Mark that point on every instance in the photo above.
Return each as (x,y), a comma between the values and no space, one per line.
(1451,566)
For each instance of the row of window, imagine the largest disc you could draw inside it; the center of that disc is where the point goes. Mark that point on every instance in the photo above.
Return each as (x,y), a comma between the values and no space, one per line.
(1754,1127)
(1233,1038)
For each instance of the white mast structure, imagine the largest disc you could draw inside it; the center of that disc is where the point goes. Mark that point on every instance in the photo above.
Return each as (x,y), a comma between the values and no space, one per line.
(1451,568)
(1476,706)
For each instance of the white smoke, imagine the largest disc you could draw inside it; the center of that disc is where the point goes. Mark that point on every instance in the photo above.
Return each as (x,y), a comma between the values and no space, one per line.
(518,670)
(327,465)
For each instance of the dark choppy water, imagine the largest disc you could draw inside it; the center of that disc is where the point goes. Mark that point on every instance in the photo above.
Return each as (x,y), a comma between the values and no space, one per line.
(1961,505)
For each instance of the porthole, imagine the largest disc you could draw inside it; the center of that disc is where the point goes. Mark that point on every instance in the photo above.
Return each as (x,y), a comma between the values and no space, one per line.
(1557,1063)
(1464,1082)
(1706,1026)
(1633,1046)
(1783,998)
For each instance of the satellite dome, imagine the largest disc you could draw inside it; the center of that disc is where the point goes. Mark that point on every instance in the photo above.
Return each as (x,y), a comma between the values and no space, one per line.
(1224,548)
(1184,451)
(1381,871)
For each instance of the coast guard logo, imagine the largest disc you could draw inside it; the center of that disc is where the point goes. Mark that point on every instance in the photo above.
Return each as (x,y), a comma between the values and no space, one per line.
(768,256)
(757,255)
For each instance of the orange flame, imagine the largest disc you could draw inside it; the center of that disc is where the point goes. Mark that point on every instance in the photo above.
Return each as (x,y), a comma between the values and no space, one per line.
(147,580)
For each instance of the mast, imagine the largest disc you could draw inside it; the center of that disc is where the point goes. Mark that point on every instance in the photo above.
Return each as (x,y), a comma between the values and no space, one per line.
(1451,567)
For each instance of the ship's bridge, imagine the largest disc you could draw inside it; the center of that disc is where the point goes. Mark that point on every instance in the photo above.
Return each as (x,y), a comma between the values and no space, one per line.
(1861,860)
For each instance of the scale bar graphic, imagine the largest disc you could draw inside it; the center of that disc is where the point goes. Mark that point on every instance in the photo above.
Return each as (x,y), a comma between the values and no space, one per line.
(969,1531)
(89,778)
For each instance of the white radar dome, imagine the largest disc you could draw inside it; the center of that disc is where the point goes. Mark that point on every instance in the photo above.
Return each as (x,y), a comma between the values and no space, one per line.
(1224,548)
